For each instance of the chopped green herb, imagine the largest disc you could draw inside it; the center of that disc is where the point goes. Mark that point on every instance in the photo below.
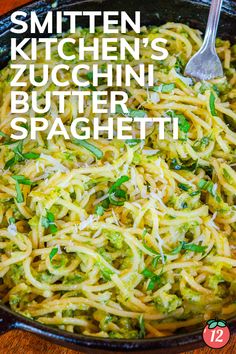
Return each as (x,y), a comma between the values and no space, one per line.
(53,253)
(167,88)
(133,142)
(212,104)
(4,135)
(69,49)
(20,156)
(99,210)
(105,203)
(177,249)
(7,139)
(11,220)
(119,194)
(188,247)
(192,194)
(118,183)
(90,147)
(136,113)
(19,195)
(90,75)
(183,186)
(175,165)
(148,273)
(31,155)
(156,260)
(194,248)
(22,180)
(142,331)
(151,249)
(183,123)
(48,221)
(144,233)
(10,163)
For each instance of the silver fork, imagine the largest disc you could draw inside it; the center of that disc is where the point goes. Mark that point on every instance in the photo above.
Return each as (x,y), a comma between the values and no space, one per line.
(205,64)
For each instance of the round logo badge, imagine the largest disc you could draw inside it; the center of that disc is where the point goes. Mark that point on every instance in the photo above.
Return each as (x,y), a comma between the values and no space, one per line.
(216,334)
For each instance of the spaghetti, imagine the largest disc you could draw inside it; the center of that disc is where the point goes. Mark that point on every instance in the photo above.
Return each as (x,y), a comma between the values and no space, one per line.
(125,239)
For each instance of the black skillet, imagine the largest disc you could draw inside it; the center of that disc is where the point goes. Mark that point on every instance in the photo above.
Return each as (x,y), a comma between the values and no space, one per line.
(153,12)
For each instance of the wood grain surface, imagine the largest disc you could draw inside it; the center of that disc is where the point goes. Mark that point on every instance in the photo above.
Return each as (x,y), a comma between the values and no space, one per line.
(18,342)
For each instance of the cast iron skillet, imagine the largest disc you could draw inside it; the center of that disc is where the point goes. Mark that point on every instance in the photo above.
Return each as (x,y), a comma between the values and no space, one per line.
(190,12)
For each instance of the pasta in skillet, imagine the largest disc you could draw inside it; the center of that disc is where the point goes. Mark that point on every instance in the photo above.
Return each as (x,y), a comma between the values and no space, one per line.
(125,239)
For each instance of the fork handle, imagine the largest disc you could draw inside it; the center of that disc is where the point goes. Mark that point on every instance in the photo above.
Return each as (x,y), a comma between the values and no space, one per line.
(212,24)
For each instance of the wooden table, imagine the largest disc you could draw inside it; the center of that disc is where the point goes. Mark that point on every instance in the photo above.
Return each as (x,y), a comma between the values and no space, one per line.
(17,342)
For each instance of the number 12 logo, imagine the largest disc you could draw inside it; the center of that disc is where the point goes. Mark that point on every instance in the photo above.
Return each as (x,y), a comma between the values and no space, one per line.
(216,334)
